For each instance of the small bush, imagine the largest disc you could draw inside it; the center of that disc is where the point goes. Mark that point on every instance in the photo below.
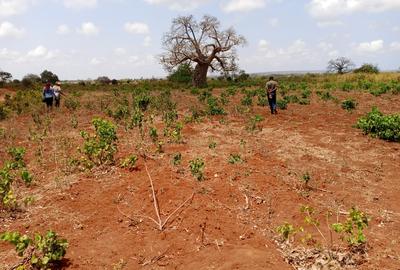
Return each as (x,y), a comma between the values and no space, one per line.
(196,168)
(214,107)
(367,68)
(71,104)
(349,104)
(177,159)
(129,162)
(101,147)
(235,158)
(386,127)
(282,104)
(253,123)
(41,252)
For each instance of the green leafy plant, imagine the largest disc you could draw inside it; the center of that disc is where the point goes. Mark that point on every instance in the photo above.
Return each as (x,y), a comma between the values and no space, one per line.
(247,100)
(153,134)
(72,104)
(326,95)
(212,145)
(177,159)
(17,154)
(26,177)
(42,252)
(282,104)
(352,230)
(306,179)
(286,230)
(235,158)
(214,107)
(197,168)
(386,127)
(100,147)
(349,104)
(129,162)
(253,123)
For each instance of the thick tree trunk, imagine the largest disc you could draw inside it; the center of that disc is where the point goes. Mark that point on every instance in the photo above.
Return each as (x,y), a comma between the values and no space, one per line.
(200,75)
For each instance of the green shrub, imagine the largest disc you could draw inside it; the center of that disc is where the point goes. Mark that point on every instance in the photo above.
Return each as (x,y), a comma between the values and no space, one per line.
(367,68)
(305,93)
(349,104)
(177,159)
(183,74)
(129,162)
(235,158)
(346,86)
(214,107)
(142,101)
(353,229)
(196,168)
(282,104)
(291,99)
(4,112)
(46,250)
(71,104)
(101,147)
(247,100)
(395,89)
(325,95)
(253,123)
(386,127)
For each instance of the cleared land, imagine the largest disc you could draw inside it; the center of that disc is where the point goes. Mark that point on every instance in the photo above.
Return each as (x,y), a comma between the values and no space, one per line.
(230,223)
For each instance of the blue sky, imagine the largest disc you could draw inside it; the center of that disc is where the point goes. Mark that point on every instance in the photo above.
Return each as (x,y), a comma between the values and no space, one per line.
(81,39)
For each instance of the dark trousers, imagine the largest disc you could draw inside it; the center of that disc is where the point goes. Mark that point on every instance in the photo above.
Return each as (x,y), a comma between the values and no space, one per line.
(49,102)
(57,100)
(272,102)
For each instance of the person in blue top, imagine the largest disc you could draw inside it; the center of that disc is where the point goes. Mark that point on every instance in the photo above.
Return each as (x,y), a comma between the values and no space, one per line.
(48,96)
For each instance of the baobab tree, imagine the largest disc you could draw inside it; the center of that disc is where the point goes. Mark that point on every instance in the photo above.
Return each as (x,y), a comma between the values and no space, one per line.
(202,44)
(340,65)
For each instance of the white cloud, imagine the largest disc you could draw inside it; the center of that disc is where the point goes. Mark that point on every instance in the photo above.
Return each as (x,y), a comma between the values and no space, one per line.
(119,51)
(97,61)
(63,29)
(147,41)
(179,5)
(88,29)
(7,29)
(6,54)
(242,5)
(273,22)
(333,8)
(136,28)
(38,53)
(323,24)
(80,4)
(13,7)
(263,45)
(370,47)
(395,46)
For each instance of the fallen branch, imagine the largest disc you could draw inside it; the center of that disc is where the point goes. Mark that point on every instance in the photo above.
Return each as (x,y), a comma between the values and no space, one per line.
(161,224)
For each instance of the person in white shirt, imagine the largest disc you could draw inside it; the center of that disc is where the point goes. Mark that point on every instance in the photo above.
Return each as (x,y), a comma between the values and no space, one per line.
(57,93)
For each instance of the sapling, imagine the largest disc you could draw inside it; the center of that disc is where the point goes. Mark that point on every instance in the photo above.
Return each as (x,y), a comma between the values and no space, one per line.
(197,167)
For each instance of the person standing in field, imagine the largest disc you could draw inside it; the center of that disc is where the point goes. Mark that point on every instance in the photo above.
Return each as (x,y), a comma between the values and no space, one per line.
(57,93)
(48,96)
(272,87)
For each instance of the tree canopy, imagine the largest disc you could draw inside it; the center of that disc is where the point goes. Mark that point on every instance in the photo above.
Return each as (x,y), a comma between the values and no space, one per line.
(340,65)
(202,44)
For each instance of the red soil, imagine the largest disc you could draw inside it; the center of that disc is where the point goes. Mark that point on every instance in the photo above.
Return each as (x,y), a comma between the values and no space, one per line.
(230,222)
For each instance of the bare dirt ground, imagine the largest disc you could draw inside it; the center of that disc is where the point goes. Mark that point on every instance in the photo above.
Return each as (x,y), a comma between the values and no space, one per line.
(230,221)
